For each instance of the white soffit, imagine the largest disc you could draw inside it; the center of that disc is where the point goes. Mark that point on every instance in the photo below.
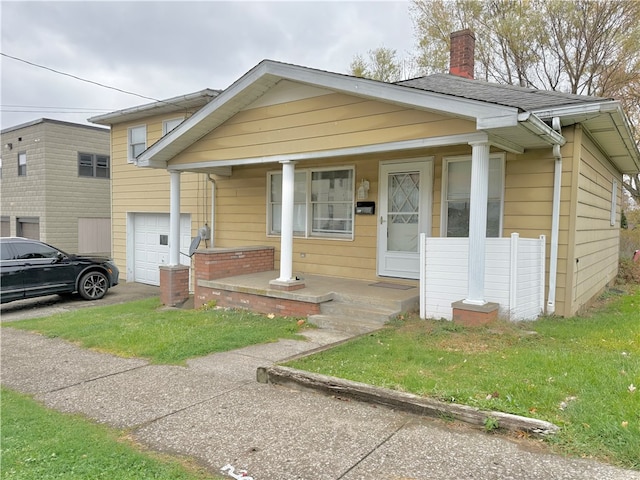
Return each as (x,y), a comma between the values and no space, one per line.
(606,124)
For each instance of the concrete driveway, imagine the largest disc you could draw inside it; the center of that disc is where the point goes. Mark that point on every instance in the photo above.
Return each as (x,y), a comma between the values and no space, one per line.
(45,306)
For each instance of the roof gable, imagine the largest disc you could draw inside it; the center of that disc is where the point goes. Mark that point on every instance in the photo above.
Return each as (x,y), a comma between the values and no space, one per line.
(176,104)
(264,77)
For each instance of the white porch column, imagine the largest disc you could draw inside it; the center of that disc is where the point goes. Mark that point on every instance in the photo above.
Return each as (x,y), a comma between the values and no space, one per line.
(174,219)
(286,229)
(478,222)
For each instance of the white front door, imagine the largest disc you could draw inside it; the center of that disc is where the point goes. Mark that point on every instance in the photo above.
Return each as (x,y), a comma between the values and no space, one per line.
(404,213)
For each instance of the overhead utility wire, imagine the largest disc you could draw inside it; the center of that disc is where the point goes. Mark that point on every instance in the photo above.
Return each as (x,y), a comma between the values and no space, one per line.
(82,79)
(52,111)
(7,108)
(12,105)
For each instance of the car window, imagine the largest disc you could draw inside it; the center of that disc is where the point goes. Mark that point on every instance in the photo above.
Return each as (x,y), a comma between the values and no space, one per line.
(34,250)
(5,252)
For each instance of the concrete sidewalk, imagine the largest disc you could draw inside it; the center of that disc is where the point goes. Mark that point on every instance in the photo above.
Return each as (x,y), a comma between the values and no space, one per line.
(215,411)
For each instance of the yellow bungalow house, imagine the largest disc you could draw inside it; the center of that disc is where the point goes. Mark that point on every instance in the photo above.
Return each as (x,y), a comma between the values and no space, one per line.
(294,175)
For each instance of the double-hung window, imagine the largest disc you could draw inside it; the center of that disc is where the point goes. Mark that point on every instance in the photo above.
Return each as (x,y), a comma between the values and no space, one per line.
(137,142)
(323,203)
(22,164)
(93,165)
(456,196)
(169,125)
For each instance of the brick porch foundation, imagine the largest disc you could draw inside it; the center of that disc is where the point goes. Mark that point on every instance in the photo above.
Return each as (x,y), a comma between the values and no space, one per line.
(219,263)
(257,303)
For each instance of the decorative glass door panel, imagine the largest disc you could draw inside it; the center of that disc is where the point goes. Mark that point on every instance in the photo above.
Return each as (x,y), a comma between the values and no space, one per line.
(405,212)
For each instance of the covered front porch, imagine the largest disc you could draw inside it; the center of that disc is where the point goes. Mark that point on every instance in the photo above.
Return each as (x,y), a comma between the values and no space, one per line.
(354,306)
(291,179)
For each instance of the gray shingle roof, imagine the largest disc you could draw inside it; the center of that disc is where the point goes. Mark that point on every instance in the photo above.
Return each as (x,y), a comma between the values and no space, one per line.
(525,99)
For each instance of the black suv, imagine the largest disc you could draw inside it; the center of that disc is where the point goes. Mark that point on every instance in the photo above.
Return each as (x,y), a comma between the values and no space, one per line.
(29,268)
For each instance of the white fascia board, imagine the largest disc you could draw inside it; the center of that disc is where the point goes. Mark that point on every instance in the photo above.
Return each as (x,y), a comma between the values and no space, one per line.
(488,123)
(588,109)
(447,140)
(532,123)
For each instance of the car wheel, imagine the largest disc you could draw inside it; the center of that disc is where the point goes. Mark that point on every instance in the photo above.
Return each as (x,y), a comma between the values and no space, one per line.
(93,286)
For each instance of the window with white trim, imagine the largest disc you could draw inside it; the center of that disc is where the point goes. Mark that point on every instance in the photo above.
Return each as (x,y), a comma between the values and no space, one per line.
(614,201)
(323,202)
(137,142)
(22,164)
(93,165)
(169,125)
(456,196)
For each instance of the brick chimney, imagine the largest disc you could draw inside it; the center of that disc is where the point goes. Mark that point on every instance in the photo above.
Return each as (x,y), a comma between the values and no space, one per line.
(461,60)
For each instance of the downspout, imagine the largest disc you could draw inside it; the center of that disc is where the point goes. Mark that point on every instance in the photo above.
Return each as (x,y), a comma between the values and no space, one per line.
(213,208)
(555,222)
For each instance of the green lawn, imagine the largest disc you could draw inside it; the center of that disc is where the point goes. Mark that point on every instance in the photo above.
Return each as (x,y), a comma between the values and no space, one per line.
(578,373)
(164,336)
(42,444)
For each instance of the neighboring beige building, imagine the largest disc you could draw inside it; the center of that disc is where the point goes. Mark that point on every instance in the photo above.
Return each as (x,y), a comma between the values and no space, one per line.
(56,185)
(294,143)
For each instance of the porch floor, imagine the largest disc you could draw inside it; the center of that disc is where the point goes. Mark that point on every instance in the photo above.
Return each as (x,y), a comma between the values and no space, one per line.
(401,295)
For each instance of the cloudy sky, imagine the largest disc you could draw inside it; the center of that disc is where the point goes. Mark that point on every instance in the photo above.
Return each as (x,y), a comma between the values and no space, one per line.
(162,49)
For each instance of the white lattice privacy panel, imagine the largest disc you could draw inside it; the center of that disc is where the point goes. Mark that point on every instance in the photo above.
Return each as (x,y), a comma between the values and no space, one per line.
(514,275)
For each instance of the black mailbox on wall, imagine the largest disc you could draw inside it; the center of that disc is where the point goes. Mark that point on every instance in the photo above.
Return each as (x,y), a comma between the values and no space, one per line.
(365,208)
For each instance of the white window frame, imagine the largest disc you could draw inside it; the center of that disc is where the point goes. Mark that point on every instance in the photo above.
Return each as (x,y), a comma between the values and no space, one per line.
(171,124)
(444,197)
(22,164)
(614,201)
(309,204)
(130,145)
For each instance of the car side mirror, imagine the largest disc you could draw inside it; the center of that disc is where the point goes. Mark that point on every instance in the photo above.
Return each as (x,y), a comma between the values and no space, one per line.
(59,257)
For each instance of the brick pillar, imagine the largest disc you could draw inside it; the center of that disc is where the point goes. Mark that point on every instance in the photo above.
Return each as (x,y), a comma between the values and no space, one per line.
(461,54)
(474,315)
(174,285)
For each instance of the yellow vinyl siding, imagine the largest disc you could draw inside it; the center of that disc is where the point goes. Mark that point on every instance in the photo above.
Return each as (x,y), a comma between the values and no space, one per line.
(241,219)
(596,249)
(528,203)
(146,190)
(316,124)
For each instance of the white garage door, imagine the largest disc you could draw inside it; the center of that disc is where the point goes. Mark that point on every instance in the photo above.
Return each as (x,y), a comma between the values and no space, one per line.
(151,233)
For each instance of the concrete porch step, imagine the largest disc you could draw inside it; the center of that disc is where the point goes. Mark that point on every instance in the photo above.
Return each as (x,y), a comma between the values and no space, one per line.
(402,304)
(366,312)
(354,326)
